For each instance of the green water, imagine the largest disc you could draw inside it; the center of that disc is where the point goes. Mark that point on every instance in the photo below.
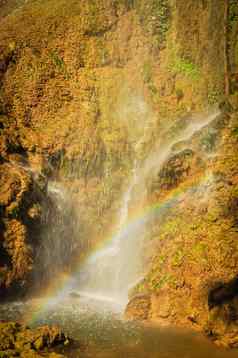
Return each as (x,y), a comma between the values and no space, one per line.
(99,331)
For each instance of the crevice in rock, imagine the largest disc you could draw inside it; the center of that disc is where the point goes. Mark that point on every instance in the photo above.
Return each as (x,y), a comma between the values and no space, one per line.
(223,293)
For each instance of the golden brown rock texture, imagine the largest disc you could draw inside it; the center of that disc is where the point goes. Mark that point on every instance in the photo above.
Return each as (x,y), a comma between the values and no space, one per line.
(19,341)
(80,82)
(192,249)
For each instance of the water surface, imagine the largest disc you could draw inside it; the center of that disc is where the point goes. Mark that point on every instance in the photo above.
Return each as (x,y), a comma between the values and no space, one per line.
(100,331)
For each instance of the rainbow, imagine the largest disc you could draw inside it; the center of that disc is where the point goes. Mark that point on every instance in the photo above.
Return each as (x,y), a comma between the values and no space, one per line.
(55,293)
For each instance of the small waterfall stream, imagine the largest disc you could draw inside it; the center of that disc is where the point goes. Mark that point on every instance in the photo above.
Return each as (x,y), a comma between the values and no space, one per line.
(114,269)
(106,272)
(93,318)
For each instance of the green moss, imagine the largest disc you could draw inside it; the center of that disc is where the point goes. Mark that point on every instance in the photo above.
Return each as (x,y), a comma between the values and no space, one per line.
(154,16)
(59,63)
(177,259)
(161,259)
(235,132)
(153,89)
(179,94)
(213,96)
(156,284)
(235,188)
(232,43)
(233,14)
(199,252)
(13,210)
(213,215)
(208,141)
(185,67)
(141,287)
(128,4)
(57,60)
(170,228)
(147,72)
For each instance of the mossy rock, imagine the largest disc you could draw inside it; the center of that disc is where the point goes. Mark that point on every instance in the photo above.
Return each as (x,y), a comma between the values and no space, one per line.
(17,340)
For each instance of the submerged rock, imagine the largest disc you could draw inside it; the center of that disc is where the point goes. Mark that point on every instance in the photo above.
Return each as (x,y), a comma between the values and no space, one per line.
(74,295)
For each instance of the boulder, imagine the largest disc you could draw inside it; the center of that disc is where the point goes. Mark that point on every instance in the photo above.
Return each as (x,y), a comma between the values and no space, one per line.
(18,340)
(138,307)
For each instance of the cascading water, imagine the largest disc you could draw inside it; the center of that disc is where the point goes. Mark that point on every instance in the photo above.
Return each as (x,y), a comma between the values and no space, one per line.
(111,271)
(60,234)
(108,274)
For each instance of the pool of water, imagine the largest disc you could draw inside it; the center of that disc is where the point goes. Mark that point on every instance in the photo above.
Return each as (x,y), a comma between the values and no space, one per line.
(100,331)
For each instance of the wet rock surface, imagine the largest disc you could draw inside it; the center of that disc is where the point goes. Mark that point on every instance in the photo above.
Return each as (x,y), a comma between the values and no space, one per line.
(19,198)
(17,340)
(189,283)
(81,84)
(138,308)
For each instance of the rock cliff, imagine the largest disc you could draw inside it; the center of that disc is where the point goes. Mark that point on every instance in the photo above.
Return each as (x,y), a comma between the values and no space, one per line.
(85,88)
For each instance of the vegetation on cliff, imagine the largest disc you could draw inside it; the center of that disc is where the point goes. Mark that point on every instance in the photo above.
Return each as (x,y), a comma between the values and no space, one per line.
(81,84)
(19,341)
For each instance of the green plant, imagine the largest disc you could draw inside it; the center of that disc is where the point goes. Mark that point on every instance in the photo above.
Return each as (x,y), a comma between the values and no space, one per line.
(157,284)
(147,72)
(14,212)
(233,14)
(129,4)
(153,89)
(59,63)
(199,252)
(209,140)
(57,60)
(162,12)
(213,97)
(185,67)
(177,259)
(235,189)
(235,132)
(161,259)
(179,94)
(154,16)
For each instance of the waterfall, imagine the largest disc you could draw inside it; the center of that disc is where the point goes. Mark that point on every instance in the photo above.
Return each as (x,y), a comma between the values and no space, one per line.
(59,236)
(111,271)
(104,273)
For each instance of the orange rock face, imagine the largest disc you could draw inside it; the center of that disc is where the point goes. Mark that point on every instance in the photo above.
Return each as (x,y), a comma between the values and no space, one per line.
(86,89)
